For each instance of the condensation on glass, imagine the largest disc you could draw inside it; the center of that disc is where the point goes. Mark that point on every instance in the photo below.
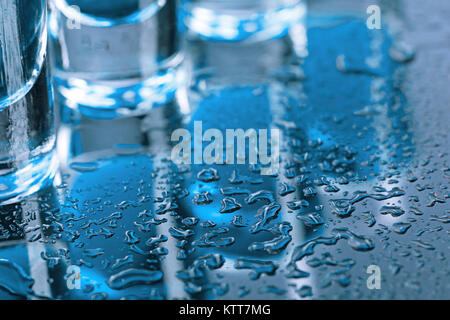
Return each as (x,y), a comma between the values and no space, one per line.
(27,138)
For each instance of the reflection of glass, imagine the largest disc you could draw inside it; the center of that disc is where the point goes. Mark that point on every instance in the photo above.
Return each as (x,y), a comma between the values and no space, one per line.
(26,114)
(341,111)
(116,169)
(239,86)
(28,244)
(235,20)
(113,58)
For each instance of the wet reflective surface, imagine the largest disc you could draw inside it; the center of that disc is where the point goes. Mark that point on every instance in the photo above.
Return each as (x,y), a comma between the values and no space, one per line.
(363,179)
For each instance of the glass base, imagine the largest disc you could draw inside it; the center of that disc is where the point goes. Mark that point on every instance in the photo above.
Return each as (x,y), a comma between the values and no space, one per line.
(220,25)
(118,98)
(34,175)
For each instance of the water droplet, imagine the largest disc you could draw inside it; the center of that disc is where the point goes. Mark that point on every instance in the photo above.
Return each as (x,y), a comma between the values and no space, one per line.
(313,219)
(202,198)
(130,237)
(296,205)
(304,291)
(402,52)
(258,267)
(401,227)
(392,210)
(208,175)
(232,191)
(237,222)
(209,239)
(259,196)
(132,277)
(93,253)
(265,214)
(180,234)
(153,242)
(197,269)
(277,244)
(229,205)
(190,221)
(424,245)
(14,280)
(285,189)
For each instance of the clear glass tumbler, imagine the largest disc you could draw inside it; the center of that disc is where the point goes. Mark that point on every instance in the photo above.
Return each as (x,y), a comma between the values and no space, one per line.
(237,20)
(27,138)
(114,58)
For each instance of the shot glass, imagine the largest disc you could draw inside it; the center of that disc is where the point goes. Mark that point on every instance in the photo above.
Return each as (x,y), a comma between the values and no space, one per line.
(114,58)
(27,138)
(237,20)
